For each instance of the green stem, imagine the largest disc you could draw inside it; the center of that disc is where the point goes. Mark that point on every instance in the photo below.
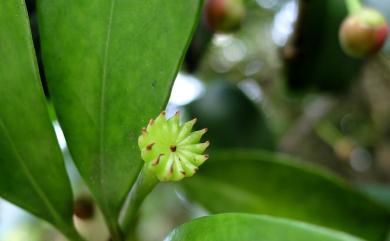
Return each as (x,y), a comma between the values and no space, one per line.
(328,133)
(353,6)
(132,236)
(145,183)
(72,234)
(115,230)
(112,222)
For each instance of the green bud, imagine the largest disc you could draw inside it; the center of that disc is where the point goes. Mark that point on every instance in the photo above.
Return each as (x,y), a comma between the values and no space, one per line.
(170,150)
(224,15)
(363,32)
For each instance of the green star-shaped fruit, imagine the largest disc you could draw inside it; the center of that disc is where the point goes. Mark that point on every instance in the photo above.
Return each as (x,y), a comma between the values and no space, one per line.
(171,150)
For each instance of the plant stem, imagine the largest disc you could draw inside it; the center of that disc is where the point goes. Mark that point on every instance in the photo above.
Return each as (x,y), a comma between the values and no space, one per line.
(111,221)
(73,234)
(328,133)
(132,236)
(115,230)
(353,6)
(145,183)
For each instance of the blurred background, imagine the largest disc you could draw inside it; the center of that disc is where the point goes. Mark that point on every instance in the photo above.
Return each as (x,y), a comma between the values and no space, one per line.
(280,82)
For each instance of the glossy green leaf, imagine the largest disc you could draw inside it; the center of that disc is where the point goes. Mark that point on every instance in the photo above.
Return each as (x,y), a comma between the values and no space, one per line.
(247,227)
(110,66)
(32,171)
(266,183)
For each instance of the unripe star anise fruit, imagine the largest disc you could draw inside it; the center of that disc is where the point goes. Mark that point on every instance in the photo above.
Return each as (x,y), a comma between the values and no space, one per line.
(224,15)
(171,150)
(363,33)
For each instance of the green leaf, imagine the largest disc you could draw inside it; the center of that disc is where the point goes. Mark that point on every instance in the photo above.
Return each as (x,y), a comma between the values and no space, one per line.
(110,66)
(378,192)
(247,227)
(32,171)
(232,119)
(265,183)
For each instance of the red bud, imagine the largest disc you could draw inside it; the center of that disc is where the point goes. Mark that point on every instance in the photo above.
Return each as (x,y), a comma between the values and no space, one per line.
(84,208)
(224,15)
(363,33)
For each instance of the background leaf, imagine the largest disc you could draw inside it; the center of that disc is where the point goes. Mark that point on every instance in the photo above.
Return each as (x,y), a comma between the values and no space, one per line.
(32,172)
(232,119)
(246,227)
(265,183)
(110,66)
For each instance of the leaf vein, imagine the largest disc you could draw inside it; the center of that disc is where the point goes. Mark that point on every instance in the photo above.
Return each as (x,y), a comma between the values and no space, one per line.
(41,194)
(103,91)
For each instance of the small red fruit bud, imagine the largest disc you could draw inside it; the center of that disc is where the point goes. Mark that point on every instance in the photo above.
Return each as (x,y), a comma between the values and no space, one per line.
(224,15)
(363,33)
(84,208)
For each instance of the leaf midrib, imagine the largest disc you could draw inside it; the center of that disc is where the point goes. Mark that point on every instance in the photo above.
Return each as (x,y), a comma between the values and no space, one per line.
(109,213)
(103,94)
